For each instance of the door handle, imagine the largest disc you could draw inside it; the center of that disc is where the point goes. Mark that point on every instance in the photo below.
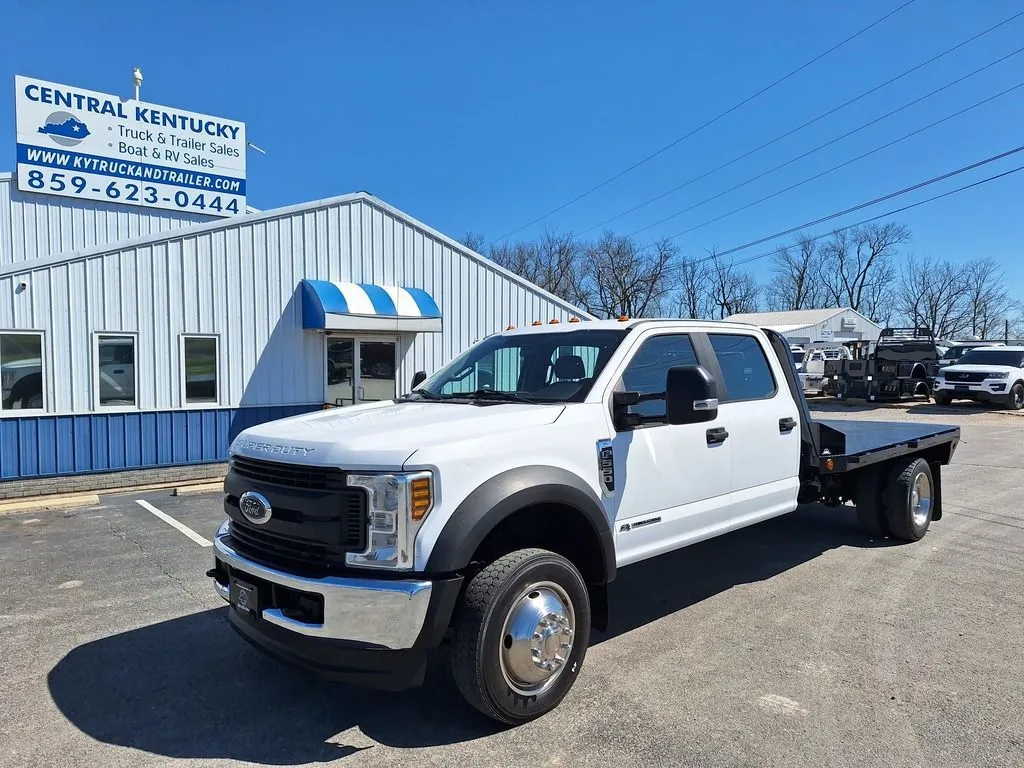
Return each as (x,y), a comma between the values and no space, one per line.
(717,435)
(787,424)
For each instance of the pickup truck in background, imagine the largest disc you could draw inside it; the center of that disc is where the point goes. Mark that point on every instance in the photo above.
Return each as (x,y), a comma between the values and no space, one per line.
(492,505)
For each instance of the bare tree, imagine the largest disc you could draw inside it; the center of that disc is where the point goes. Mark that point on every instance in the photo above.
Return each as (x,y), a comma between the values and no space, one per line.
(796,283)
(475,242)
(732,292)
(932,294)
(857,267)
(553,263)
(693,292)
(620,277)
(988,302)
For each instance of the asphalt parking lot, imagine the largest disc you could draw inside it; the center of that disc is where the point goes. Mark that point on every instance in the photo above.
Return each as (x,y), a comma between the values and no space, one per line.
(798,642)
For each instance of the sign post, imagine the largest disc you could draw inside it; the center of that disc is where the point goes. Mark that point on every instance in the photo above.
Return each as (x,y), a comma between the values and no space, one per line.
(85,144)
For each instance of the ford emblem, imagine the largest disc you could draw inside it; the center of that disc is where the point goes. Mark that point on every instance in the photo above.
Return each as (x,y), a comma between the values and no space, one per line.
(255,507)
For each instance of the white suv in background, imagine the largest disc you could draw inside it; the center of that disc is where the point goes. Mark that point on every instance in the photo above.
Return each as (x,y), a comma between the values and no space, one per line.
(988,374)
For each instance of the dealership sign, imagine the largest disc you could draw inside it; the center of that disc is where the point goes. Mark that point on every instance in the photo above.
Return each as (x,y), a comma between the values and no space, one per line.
(91,145)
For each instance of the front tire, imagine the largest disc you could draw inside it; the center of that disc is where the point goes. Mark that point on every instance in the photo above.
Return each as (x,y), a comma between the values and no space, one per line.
(943,397)
(521,635)
(1015,400)
(909,499)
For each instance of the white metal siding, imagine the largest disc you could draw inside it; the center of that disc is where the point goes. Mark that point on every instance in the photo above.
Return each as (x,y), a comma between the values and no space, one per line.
(32,226)
(239,281)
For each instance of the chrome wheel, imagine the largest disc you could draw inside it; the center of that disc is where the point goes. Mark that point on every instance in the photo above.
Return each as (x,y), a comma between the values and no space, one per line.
(537,638)
(921,499)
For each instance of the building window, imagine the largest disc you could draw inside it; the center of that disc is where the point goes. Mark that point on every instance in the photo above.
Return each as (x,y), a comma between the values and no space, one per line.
(199,369)
(115,370)
(21,371)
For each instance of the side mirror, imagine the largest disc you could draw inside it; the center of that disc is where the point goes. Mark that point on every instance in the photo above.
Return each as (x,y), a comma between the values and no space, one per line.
(691,395)
(418,378)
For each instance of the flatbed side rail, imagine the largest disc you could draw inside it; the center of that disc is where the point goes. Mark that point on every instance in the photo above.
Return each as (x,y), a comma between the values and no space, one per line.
(938,446)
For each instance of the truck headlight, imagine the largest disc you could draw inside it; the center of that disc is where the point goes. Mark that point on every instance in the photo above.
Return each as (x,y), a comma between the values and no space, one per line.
(397,504)
(995,375)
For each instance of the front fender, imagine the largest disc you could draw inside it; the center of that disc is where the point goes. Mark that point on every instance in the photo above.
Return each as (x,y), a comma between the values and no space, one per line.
(507,493)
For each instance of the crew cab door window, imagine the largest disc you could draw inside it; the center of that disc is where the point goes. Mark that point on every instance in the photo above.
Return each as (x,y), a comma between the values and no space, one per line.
(745,369)
(648,370)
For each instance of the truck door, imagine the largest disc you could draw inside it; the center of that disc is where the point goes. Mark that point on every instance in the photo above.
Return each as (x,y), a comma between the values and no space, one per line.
(762,420)
(671,482)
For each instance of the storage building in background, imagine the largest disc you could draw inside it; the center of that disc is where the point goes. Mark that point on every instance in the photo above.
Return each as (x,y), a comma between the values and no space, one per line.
(811,326)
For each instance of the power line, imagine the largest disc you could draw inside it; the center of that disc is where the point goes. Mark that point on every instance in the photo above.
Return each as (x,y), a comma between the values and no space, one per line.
(810,122)
(869,203)
(851,161)
(708,123)
(885,215)
(829,143)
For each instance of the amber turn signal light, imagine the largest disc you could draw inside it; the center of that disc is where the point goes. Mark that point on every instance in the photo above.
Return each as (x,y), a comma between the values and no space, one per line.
(422,498)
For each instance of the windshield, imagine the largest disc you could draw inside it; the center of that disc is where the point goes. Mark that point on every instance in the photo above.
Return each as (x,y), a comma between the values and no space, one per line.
(530,367)
(992,357)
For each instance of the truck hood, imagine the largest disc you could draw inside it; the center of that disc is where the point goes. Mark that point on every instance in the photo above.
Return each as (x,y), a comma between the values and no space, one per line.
(383,435)
(979,369)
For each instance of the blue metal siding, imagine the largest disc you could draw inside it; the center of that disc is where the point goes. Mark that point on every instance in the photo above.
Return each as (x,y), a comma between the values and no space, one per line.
(41,446)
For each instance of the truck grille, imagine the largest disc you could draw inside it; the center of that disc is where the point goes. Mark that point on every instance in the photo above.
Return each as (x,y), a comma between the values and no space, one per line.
(311,478)
(316,517)
(285,553)
(963,376)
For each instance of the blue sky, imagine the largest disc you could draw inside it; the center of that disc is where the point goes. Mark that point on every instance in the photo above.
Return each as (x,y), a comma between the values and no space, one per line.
(483,116)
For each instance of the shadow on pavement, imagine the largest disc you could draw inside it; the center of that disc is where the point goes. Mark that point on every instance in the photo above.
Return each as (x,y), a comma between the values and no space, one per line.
(652,589)
(191,688)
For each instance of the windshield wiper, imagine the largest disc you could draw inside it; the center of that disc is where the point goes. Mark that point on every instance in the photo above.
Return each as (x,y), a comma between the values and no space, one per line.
(495,395)
(423,395)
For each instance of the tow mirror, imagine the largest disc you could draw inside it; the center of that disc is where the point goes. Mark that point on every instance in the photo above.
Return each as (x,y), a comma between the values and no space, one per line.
(418,378)
(691,395)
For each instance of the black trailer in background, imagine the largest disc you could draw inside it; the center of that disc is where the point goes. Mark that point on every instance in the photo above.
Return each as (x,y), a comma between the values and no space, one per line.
(903,365)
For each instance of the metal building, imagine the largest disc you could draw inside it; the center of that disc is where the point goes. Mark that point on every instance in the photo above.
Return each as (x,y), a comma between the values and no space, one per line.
(136,339)
(810,326)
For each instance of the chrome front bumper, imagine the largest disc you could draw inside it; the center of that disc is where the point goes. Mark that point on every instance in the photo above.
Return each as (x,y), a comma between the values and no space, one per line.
(384,613)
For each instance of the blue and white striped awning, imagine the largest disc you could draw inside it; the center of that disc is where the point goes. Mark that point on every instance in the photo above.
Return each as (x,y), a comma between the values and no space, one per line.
(367,307)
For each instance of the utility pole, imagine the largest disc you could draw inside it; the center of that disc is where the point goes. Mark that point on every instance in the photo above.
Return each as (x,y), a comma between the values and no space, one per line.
(1006,330)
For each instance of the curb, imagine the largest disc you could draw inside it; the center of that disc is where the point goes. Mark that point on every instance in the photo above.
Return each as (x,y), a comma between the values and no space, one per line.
(53,502)
(185,490)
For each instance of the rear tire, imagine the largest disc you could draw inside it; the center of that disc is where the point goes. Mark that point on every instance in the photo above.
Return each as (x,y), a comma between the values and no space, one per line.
(521,635)
(909,499)
(870,511)
(943,397)
(1015,400)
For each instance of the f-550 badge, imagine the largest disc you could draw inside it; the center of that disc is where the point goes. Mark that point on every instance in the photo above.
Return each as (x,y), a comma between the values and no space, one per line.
(606,466)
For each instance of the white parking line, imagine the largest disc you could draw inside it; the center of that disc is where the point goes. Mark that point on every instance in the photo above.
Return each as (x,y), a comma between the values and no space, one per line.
(175,524)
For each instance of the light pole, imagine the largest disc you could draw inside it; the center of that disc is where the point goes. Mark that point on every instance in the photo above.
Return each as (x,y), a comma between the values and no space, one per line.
(137,79)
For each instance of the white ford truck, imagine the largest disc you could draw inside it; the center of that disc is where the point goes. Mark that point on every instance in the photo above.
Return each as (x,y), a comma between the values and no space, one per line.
(492,505)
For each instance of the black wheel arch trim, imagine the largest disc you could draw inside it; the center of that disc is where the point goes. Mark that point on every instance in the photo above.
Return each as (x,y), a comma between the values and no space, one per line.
(507,493)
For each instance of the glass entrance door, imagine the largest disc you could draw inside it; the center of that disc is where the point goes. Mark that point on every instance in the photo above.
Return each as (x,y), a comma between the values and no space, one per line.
(359,370)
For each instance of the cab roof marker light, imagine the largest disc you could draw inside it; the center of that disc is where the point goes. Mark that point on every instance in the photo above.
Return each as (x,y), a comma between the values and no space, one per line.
(574,319)
(553,320)
(510,328)
(536,322)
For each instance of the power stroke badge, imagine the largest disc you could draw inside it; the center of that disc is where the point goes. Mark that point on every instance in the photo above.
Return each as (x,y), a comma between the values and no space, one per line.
(606,466)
